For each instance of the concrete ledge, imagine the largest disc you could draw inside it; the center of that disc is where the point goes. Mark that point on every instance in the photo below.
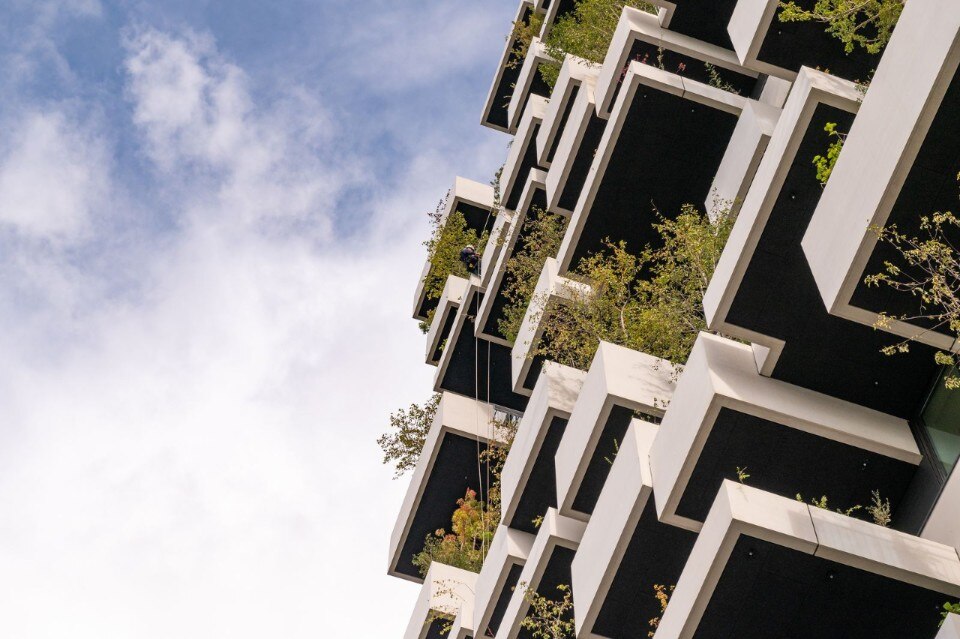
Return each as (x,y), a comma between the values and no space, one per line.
(619,383)
(522,91)
(498,577)
(784,431)
(514,178)
(580,122)
(639,26)
(551,290)
(443,317)
(497,95)
(460,423)
(574,73)
(905,97)
(528,479)
(547,566)
(501,230)
(476,202)
(446,591)
(808,570)
(950,628)
(811,89)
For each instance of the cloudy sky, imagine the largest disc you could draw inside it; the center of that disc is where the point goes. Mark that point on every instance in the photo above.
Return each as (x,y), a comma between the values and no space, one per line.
(210,225)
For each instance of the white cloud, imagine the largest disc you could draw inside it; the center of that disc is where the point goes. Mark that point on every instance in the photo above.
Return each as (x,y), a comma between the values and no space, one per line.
(54,175)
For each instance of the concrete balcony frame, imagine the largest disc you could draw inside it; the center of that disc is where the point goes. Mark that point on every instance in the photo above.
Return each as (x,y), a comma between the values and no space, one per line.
(475,201)
(547,566)
(950,628)
(529,83)
(628,168)
(814,572)
(522,157)
(498,578)
(762,291)
(625,548)
(724,414)
(443,317)
(494,113)
(446,591)
(551,290)
(528,483)
(502,228)
(640,35)
(574,74)
(620,383)
(906,133)
(779,49)
(449,464)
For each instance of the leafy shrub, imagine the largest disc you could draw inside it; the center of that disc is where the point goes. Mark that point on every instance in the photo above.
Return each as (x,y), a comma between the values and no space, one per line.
(825,163)
(403,444)
(472,527)
(549,618)
(856,23)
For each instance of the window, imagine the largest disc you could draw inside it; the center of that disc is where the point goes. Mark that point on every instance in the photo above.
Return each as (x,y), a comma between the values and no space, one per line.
(941,421)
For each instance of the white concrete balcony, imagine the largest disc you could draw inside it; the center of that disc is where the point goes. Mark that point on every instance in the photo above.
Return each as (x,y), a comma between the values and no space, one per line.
(472,365)
(447,467)
(620,384)
(762,290)
(725,415)
(444,317)
(765,564)
(547,567)
(764,43)
(574,73)
(631,174)
(522,157)
(502,228)
(475,202)
(505,79)
(528,482)
(950,628)
(498,578)
(445,592)
(529,83)
(551,291)
(906,134)
(640,37)
(625,549)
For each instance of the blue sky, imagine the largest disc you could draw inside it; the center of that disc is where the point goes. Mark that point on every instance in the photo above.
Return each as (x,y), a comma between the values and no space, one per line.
(210,226)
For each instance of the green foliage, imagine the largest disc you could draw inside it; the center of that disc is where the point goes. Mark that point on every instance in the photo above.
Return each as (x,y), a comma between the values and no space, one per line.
(404,442)
(549,618)
(652,302)
(879,509)
(473,525)
(662,593)
(522,34)
(825,163)
(742,475)
(443,252)
(585,32)
(949,608)
(542,234)
(856,23)
(717,81)
(929,271)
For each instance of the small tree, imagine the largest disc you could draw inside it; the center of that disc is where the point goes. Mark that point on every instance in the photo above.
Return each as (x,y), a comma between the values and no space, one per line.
(542,235)
(928,271)
(856,23)
(549,618)
(473,525)
(652,302)
(403,443)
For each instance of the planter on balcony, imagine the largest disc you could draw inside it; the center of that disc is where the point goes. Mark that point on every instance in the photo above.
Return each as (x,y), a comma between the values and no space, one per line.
(547,567)
(445,591)
(522,157)
(550,291)
(778,48)
(631,173)
(529,83)
(907,133)
(498,578)
(505,79)
(574,74)
(444,317)
(476,366)
(447,467)
(724,414)
(620,383)
(765,565)
(528,483)
(639,36)
(475,202)
(762,290)
(625,549)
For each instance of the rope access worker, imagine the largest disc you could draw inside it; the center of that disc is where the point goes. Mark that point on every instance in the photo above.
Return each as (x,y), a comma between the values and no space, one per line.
(470,259)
